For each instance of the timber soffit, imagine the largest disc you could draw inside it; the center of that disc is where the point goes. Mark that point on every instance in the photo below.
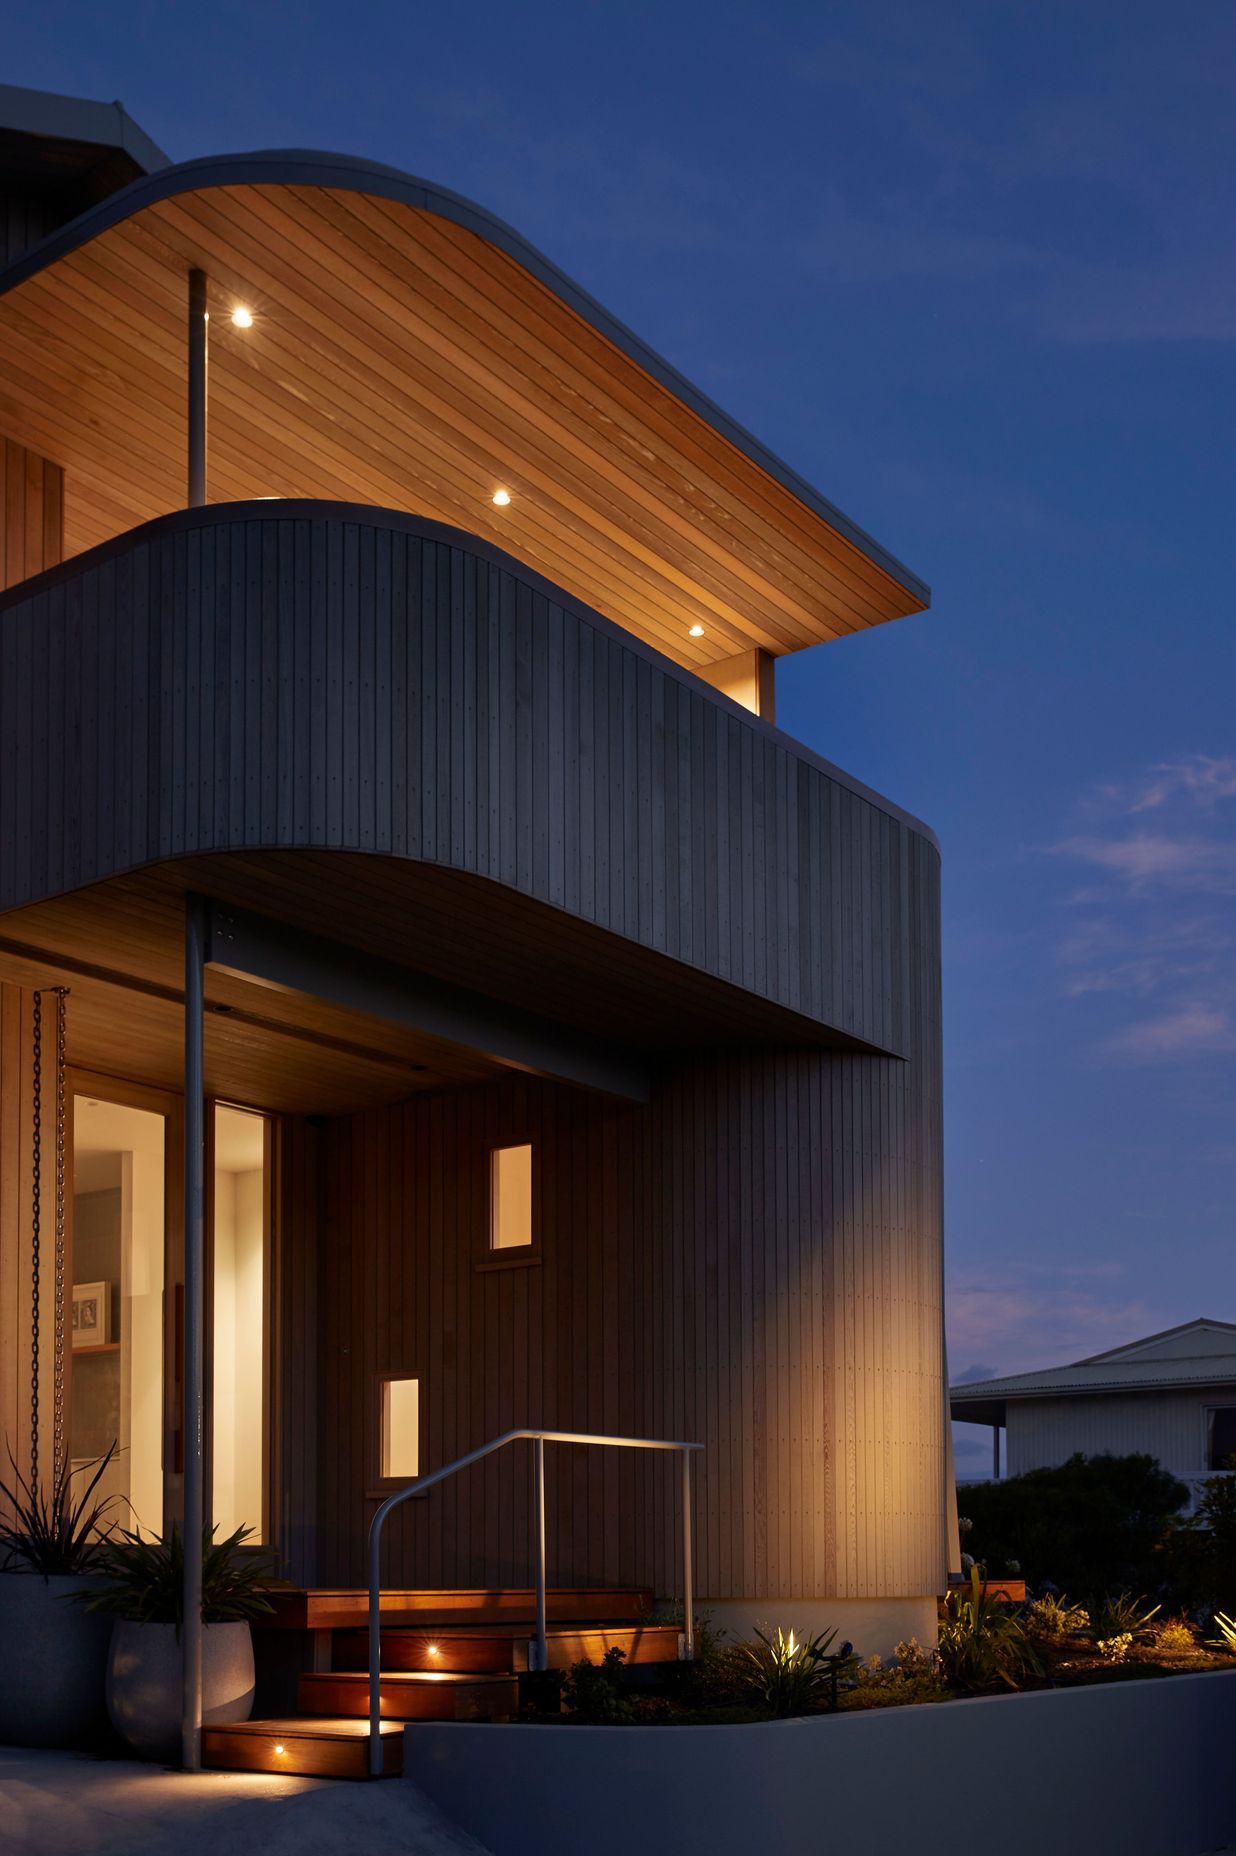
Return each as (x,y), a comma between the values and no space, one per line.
(633,490)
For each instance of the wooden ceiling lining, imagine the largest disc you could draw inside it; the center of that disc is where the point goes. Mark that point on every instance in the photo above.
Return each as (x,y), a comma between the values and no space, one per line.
(403,360)
(119,948)
(584,397)
(501,417)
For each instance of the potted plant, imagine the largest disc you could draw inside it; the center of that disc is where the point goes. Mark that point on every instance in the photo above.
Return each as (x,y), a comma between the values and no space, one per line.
(144,1589)
(51,1550)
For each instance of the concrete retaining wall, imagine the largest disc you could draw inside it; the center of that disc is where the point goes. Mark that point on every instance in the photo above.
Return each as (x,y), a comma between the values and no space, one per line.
(1140,1768)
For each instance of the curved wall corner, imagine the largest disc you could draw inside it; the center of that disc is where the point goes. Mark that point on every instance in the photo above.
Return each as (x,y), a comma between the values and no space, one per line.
(329,677)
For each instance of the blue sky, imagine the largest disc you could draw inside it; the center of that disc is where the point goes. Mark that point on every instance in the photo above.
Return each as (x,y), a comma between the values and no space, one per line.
(971,269)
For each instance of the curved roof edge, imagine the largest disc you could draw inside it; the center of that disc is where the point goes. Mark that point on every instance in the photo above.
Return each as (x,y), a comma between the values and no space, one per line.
(304,508)
(348,173)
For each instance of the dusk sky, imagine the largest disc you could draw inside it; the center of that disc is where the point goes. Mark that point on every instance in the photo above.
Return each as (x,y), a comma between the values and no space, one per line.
(970,269)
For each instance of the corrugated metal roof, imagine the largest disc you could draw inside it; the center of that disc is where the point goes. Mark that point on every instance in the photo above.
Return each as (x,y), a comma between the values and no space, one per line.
(1157,1363)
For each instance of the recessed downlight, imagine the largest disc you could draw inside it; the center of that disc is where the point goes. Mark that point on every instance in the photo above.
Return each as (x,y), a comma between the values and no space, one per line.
(696,631)
(242,318)
(501,498)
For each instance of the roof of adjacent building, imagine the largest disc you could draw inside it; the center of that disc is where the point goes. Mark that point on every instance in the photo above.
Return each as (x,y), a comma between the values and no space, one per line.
(410,351)
(1197,1353)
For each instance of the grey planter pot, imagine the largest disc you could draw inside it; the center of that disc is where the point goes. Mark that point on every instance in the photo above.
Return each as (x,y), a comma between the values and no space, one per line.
(56,1654)
(144,1683)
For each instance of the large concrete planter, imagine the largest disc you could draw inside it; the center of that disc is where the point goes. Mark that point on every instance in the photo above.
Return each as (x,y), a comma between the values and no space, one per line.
(55,1656)
(144,1683)
(1140,1768)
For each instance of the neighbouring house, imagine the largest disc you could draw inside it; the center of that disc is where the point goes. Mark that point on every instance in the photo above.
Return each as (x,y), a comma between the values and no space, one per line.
(1171,1396)
(435,998)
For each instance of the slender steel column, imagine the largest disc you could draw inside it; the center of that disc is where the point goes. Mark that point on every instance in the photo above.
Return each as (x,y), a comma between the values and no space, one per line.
(199,327)
(195,1283)
(688,1596)
(538,1530)
(995,1451)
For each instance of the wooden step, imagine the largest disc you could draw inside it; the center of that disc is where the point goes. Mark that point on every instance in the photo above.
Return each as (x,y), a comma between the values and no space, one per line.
(339,1608)
(324,1749)
(410,1695)
(506,1647)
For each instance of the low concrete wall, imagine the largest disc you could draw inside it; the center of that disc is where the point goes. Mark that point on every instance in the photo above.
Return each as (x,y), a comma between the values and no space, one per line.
(1138,1768)
(875,1626)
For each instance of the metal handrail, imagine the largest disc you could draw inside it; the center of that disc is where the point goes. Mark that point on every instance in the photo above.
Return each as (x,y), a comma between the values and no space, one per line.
(538,1439)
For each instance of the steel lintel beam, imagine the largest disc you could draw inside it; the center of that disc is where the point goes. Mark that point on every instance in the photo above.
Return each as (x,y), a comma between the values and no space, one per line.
(255,948)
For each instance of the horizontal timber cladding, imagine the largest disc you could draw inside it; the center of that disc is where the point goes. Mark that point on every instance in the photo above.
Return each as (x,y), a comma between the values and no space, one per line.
(752,1261)
(331,678)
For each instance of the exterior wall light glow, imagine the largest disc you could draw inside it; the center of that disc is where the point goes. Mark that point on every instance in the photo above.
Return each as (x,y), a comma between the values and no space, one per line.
(242,318)
(696,631)
(501,498)
(431,1649)
(281,1749)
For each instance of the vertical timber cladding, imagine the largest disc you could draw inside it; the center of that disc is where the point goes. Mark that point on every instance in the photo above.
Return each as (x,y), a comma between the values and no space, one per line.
(752,1261)
(31,514)
(219,681)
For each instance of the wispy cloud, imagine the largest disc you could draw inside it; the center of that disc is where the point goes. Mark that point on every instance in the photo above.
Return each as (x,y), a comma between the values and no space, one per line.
(1155,923)
(1032,1316)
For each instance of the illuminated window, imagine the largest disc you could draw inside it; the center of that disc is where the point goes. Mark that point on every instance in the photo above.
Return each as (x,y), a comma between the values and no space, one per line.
(510,1198)
(116,1311)
(401,1443)
(239,1298)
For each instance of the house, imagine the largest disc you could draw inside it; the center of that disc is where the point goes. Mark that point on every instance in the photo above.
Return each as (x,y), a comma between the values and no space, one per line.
(435,999)
(1171,1396)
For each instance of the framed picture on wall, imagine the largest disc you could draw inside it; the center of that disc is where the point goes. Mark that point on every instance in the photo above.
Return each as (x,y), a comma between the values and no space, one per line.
(92,1310)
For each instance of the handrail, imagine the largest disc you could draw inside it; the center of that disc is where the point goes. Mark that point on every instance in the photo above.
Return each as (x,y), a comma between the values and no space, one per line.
(539,1439)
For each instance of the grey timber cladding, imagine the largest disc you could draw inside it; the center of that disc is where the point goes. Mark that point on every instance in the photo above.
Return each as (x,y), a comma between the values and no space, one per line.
(328,677)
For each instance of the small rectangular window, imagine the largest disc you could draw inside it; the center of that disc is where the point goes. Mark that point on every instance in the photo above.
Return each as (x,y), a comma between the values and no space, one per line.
(510,1198)
(401,1429)
(1222,1437)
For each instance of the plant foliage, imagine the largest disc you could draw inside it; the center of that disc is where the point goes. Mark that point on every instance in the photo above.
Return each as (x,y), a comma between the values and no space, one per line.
(984,1644)
(1092,1525)
(57,1535)
(593,1692)
(789,1675)
(146,1580)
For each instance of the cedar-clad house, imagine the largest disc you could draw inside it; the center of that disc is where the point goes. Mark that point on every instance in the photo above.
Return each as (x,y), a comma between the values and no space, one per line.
(438,998)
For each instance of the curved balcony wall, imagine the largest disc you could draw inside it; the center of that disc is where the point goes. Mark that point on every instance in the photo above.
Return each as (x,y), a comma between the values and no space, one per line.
(320,677)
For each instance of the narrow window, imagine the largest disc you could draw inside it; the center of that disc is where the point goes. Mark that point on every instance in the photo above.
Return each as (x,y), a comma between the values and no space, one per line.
(401,1447)
(239,1298)
(510,1198)
(1222,1437)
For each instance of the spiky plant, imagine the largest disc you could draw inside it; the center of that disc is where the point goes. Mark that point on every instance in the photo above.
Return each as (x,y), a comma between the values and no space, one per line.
(1226,1627)
(790,1675)
(61,1534)
(146,1579)
(984,1644)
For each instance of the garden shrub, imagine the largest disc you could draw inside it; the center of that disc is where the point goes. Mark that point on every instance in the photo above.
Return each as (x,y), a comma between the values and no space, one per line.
(1093,1525)
(984,1643)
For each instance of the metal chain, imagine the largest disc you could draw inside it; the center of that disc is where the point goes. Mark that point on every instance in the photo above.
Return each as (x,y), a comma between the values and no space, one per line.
(36,1215)
(58,1426)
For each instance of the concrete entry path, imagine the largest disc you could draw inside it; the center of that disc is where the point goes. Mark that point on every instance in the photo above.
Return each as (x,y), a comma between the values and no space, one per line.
(66,1804)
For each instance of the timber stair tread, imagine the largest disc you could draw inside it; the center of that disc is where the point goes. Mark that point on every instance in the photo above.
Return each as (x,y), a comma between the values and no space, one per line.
(504,1648)
(338,1608)
(411,1694)
(322,1747)
(447,1654)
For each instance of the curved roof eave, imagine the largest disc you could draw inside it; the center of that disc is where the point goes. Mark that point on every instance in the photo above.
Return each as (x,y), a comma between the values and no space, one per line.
(348,173)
